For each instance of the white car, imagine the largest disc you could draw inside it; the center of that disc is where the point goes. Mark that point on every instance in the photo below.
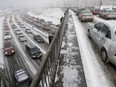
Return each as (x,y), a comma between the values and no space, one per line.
(22,39)
(21,35)
(7,37)
(18,32)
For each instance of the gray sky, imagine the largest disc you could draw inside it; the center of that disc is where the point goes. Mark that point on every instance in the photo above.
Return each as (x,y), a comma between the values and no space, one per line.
(47,3)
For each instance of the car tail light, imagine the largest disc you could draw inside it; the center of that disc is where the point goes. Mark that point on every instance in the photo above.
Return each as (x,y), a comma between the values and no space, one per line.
(109,15)
(83,16)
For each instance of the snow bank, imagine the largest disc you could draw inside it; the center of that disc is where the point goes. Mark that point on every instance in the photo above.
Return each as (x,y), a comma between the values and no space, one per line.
(52,14)
(1,44)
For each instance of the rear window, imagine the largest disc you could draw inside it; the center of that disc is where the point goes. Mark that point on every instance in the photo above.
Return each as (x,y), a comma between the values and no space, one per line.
(7,44)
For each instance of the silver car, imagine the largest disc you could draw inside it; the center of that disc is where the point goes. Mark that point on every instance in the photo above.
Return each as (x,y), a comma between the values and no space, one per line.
(21,78)
(86,15)
(107,14)
(104,36)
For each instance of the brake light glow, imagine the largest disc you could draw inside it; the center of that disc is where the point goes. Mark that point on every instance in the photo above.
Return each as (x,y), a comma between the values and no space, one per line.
(114,54)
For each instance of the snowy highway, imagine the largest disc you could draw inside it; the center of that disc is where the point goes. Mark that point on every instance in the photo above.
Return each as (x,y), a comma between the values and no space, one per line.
(80,62)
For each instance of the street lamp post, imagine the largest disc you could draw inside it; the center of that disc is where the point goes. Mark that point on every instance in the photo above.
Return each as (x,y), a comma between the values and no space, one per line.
(100,4)
(86,4)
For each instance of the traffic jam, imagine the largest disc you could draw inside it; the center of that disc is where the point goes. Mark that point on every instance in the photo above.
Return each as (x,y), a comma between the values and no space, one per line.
(26,40)
(21,43)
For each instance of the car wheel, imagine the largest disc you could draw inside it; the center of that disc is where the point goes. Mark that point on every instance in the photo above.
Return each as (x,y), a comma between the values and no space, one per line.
(89,34)
(104,56)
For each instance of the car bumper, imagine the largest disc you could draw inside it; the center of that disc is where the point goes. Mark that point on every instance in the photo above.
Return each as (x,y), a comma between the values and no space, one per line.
(9,53)
(36,56)
(86,19)
(111,17)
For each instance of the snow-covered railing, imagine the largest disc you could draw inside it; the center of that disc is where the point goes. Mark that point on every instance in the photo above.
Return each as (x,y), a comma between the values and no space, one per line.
(45,76)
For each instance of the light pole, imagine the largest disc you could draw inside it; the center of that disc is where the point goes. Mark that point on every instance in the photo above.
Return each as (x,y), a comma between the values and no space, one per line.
(11,4)
(86,4)
(100,3)
(112,3)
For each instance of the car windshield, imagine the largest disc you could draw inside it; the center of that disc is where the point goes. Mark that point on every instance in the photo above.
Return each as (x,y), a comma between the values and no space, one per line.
(86,12)
(34,49)
(39,37)
(22,77)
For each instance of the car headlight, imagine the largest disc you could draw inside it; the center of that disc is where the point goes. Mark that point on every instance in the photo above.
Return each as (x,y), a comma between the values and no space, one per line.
(33,56)
(12,51)
(6,52)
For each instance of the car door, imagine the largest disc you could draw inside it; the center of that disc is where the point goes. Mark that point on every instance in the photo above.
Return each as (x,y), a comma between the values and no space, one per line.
(104,34)
(94,32)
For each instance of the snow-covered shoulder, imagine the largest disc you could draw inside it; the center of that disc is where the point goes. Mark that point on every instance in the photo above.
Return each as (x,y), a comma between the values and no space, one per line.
(1,43)
(51,14)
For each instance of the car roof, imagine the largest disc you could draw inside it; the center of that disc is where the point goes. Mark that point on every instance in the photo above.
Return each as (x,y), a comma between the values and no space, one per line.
(111,24)
(37,36)
(7,44)
(30,45)
(21,75)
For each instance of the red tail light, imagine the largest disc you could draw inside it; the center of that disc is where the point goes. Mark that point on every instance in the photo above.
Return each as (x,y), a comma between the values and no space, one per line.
(114,54)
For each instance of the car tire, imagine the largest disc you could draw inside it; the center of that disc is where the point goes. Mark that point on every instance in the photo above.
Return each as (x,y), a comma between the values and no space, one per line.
(104,56)
(89,34)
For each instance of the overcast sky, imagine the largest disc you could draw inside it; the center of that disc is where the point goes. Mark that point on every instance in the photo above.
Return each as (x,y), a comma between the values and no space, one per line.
(47,3)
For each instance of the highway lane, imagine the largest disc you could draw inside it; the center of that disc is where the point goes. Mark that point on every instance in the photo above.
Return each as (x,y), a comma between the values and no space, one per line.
(37,62)
(21,55)
(43,45)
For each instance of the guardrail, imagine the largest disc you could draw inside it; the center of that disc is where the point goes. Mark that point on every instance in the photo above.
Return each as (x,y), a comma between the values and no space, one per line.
(45,75)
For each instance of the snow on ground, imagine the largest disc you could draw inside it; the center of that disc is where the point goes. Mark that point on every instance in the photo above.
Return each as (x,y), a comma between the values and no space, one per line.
(94,73)
(51,14)
(1,43)
(70,70)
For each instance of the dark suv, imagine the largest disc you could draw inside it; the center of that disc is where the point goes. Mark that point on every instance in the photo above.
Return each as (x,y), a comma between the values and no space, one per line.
(38,38)
(33,51)
(8,48)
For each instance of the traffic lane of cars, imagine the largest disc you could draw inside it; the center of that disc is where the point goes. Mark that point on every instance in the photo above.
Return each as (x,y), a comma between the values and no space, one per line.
(23,47)
(30,31)
(19,80)
(12,60)
(33,53)
(104,40)
(86,15)
(107,14)
(37,32)
(34,62)
(42,46)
